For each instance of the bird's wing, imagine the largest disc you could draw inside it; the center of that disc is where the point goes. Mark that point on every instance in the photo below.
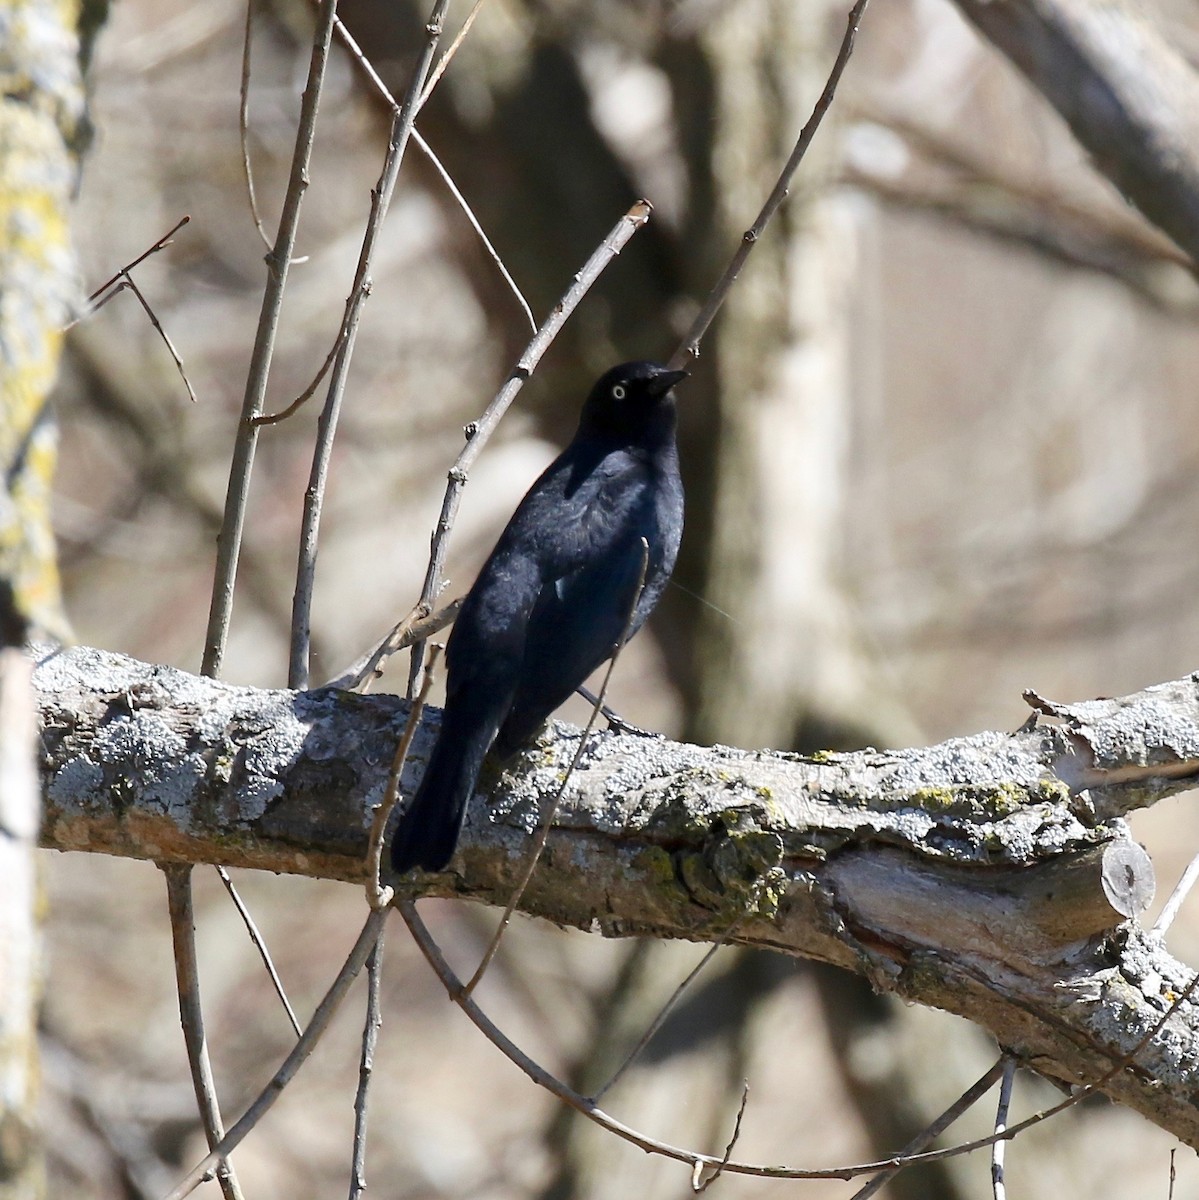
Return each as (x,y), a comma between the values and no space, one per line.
(563,577)
(572,629)
(584,504)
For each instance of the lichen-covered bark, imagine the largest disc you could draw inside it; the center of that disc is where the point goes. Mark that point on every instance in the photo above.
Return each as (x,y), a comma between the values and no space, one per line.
(40,104)
(982,875)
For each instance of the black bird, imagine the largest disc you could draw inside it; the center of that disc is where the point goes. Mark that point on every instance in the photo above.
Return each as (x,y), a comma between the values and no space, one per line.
(555,595)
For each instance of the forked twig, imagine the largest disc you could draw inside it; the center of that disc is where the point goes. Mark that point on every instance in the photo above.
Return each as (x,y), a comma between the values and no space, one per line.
(547,818)
(423,146)
(260,945)
(292,1063)
(187,981)
(416,626)
(477,432)
(161,244)
(698,1183)
(925,1137)
(540,1076)
(378,896)
(123,281)
(451,50)
(689,346)
(314,494)
(278,262)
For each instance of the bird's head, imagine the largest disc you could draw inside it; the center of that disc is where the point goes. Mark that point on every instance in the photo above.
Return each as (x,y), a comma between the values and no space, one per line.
(632,402)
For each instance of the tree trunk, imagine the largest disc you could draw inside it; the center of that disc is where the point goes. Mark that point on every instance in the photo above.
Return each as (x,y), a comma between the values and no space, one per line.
(41,105)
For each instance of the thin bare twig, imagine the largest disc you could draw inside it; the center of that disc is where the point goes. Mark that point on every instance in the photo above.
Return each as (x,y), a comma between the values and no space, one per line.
(492,253)
(314,494)
(307,394)
(366,1066)
(416,626)
(1177,896)
(423,146)
(547,818)
(689,347)
(1119,1064)
(477,432)
(925,1137)
(555,1086)
(127,285)
(187,980)
(663,1013)
(300,1052)
(162,333)
(278,262)
(350,314)
(378,896)
(243,123)
(123,273)
(999,1149)
(260,945)
(123,281)
(698,1183)
(444,61)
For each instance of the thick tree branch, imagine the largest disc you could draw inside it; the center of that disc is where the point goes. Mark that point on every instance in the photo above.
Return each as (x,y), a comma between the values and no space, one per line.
(978,875)
(1129,96)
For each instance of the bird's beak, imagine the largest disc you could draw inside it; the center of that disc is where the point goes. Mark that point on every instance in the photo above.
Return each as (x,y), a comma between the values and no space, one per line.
(662,383)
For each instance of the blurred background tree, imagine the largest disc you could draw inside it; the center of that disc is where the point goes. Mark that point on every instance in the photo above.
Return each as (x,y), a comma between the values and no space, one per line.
(939,447)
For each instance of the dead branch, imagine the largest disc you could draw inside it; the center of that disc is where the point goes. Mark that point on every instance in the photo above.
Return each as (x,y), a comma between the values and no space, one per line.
(990,876)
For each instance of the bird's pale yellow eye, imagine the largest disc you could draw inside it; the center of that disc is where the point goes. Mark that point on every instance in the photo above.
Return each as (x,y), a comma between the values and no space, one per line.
(618,392)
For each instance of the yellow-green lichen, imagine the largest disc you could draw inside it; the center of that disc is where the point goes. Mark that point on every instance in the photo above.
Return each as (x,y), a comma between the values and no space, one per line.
(657,865)
(974,801)
(40,100)
(1052,791)
(735,871)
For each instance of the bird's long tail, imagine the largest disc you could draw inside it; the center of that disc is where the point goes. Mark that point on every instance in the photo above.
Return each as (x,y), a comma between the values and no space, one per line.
(428,830)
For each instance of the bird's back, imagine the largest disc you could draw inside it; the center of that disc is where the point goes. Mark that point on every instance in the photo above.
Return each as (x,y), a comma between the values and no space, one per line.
(619,503)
